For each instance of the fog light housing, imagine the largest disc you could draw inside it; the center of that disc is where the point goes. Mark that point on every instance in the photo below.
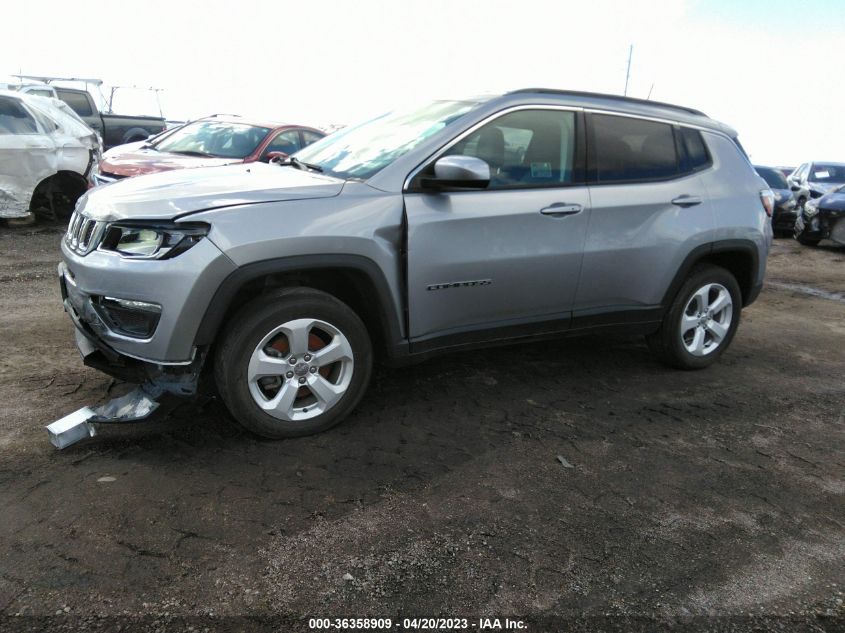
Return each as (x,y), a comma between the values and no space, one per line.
(127,317)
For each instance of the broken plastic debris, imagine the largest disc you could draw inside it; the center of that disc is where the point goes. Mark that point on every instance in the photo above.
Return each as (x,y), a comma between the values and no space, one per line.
(348,577)
(106,479)
(563,461)
(72,428)
(135,405)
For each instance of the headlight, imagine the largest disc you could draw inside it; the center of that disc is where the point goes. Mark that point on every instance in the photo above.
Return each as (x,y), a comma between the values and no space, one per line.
(811,207)
(152,241)
(778,196)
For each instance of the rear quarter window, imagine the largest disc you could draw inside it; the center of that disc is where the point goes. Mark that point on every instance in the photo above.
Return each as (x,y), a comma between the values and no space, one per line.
(631,150)
(697,155)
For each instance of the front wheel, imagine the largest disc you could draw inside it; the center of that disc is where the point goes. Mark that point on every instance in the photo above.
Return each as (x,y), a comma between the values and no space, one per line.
(293,363)
(702,320)
(806,241)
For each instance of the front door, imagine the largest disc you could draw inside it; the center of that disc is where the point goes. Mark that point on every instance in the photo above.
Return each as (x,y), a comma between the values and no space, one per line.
(509,255)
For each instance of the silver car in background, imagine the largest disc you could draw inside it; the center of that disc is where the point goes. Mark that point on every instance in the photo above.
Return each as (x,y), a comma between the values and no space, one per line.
(811,181)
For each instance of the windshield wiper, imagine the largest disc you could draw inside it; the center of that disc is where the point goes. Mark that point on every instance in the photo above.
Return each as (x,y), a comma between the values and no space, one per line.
(192,153)
(299,164)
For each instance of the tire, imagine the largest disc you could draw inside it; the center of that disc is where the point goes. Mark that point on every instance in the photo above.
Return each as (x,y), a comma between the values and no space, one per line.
(673,341)
(265,336)
(806,241)
(134,135)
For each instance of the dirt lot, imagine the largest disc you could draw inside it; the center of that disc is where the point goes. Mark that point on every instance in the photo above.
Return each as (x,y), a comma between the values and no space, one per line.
(708,499)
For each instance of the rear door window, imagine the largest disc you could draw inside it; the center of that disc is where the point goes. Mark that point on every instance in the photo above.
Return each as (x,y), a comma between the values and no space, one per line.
(309,137)
(626,149)
(286,142)
(14,119)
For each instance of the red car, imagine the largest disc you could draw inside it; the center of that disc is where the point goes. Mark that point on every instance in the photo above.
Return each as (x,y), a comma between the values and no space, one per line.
(214,140)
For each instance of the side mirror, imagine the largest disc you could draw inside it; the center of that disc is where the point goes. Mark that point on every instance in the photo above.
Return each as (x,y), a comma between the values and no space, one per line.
(271,157)
(459,171)
(795,187)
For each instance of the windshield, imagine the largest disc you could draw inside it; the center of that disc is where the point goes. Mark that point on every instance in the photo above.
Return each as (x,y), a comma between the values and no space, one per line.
(773,178)
(363,150)
(214,138)
(826,172)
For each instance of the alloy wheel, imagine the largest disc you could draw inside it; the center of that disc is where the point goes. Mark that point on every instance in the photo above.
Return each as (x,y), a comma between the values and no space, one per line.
(706,319)
(300,369)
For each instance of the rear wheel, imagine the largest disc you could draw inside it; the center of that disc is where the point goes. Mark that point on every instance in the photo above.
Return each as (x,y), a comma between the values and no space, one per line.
(293,363)
(702,320)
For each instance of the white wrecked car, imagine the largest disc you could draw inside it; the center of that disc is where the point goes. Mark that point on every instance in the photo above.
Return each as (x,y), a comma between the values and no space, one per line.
(46,156)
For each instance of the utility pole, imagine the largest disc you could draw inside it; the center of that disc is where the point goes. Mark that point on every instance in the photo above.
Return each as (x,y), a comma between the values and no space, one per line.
(628,73)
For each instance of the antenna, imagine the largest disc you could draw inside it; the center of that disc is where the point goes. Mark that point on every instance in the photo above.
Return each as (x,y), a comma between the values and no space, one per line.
(628,72)
(649,91)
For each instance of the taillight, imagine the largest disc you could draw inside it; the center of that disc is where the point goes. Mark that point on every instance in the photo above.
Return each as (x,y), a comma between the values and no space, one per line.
(768,200)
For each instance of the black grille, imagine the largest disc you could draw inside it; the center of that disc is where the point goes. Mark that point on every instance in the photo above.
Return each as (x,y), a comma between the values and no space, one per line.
(83,234)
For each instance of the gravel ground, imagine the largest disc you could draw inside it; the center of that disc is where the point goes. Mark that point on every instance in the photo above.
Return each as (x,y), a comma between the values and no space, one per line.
(705,500)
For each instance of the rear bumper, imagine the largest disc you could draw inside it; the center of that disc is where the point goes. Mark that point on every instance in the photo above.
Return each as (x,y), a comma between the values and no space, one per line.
(784,218)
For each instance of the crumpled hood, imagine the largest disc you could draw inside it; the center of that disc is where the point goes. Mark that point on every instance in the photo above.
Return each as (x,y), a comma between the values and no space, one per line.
(823,187)
(832,202)
(170,194)
(133,159)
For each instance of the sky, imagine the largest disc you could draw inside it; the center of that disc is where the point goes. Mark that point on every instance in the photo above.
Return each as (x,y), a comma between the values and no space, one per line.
(771,69)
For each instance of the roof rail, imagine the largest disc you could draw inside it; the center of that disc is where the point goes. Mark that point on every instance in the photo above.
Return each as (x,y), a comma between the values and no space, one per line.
(211,116)
(47,80)
(578,93)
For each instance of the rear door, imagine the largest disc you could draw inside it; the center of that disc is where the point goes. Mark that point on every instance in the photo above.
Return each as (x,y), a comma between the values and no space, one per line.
(28,155)
(649,210)
(506,257)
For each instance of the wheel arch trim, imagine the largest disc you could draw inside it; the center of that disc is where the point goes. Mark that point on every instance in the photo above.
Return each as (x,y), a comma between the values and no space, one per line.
(221,302)
(743,247)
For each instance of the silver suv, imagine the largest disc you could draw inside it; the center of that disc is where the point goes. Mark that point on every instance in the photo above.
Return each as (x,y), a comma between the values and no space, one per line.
(531,214)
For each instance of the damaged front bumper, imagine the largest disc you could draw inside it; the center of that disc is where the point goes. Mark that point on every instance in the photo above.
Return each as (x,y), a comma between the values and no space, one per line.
(179,379)
(152,380)
(824,224)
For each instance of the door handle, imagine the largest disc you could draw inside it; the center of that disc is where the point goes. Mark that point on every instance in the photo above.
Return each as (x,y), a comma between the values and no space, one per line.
(687,201)
(560,209)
